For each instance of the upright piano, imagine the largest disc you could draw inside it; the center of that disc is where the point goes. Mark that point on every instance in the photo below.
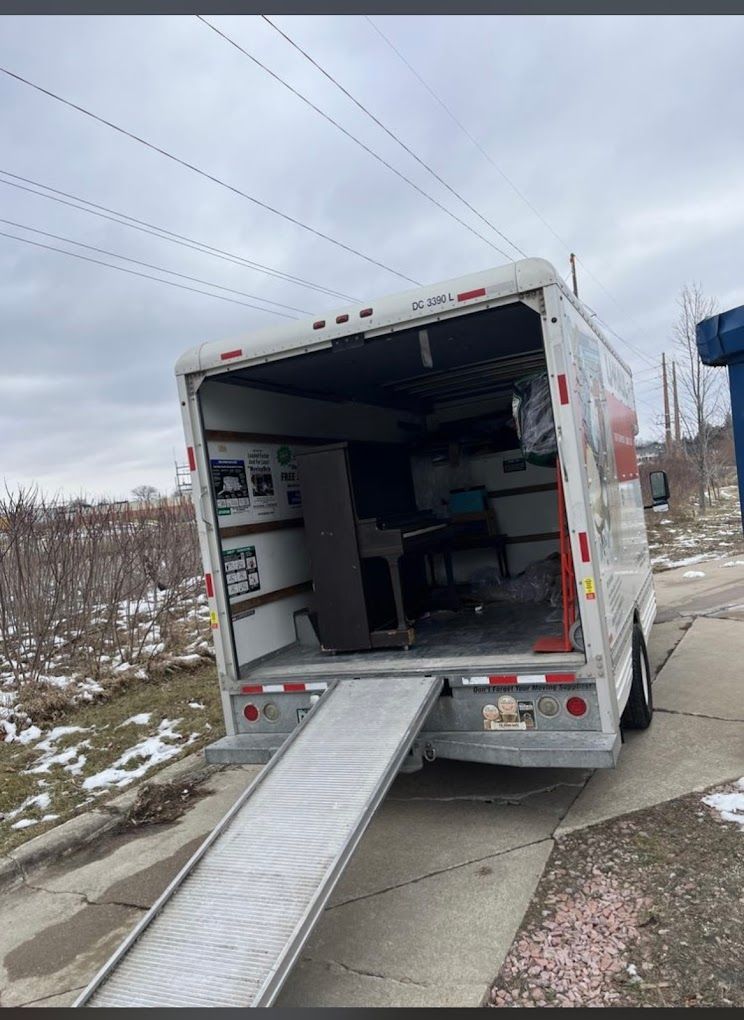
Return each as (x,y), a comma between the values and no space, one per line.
(367,542)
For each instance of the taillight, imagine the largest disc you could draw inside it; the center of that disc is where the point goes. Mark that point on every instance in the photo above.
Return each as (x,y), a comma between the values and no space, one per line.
(342,318)
(251,712)
(365,313)
(319,324)
(576,706)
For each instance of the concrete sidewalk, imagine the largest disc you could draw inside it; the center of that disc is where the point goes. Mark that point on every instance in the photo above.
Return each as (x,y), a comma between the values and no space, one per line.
(437,889)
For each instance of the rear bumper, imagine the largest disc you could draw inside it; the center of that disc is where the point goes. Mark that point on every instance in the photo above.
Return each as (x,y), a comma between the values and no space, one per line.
(245,748)
(548,750)
(586,749)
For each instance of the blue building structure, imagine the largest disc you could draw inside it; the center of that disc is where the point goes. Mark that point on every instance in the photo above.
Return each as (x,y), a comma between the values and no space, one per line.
(720,341)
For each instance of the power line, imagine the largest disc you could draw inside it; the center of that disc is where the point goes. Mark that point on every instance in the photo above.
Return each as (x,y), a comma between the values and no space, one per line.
(462,127)
(392,135)
(149,265)
(206,175)
(145,276)
(156,231)
(508,180)
(348,134)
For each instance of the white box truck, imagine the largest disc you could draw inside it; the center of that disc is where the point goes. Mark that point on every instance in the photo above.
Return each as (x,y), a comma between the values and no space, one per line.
(540,667)
(423,535)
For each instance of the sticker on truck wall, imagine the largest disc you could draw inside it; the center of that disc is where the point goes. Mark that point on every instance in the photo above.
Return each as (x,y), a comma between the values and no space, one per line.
(241,571)
(213,620)
(230,486)
(509,714)
(288,475)
(262,478)
(255,482)
(589,589)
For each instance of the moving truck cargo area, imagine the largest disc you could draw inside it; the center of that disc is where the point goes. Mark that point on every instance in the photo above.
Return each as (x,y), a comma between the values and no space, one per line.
(441,484)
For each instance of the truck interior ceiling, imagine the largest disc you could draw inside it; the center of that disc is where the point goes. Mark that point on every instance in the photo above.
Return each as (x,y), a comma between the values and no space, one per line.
(430,503)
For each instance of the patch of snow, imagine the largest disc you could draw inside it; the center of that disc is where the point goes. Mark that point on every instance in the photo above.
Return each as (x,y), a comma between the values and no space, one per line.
(40,801)
(730,806)
(187,658)
(694,573)
(76,767)
(49,818)
(153,648)
(734,563)
(689,560)
(195,704)
(59,731)
(9,729)
(24,737)
(46,763)
(29,734)
(24,823)
(153,750)
(137,720)
(70,758)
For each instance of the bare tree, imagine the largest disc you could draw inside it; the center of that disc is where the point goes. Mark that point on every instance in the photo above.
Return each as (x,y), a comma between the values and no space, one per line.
(145,493)
(702,400)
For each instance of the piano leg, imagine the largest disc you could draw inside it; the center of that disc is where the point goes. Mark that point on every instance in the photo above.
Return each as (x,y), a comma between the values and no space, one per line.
(393,563)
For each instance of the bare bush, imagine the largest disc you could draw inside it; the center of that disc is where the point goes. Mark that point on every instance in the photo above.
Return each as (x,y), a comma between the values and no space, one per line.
(682,466)
(90,589)
(703,399)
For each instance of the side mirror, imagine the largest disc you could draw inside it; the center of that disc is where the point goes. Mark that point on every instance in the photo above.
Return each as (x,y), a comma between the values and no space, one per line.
(659,491)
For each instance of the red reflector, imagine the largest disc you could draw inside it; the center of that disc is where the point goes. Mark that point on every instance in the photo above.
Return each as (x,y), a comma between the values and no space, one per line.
(576,706)
(365,313)
(251,712)
(192,458)
(584,547)
(210,586)
(319,324)
(560,678)
(252,689)
(342,318)
(481,292)
(230,354)
(563,389)
(294,687)
(498,681)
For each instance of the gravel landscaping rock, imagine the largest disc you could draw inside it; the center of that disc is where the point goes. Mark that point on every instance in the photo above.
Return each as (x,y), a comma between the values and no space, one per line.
(644,910)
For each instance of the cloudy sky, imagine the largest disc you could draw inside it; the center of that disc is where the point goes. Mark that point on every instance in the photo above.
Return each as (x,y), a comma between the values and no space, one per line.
(623,133)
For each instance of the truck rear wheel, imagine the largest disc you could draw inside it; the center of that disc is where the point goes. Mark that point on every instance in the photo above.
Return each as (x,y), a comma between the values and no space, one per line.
(640,707)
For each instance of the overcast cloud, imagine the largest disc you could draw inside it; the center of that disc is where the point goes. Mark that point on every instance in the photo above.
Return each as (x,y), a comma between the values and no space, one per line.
(625,133)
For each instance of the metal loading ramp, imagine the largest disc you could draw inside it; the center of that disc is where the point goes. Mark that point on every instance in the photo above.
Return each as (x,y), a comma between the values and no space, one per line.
(228,929)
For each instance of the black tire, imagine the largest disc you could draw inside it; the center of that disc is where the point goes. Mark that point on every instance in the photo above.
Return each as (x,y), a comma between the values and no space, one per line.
(639,710)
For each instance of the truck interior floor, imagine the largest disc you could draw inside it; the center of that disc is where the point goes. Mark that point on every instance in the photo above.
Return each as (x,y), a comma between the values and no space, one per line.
(501,633)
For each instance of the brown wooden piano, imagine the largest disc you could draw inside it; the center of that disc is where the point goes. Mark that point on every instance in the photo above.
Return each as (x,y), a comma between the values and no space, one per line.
(368,543)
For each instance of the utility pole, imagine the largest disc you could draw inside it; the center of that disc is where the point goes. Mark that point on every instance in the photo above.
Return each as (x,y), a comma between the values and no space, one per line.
(675,397)
(667,419)
(572,259)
